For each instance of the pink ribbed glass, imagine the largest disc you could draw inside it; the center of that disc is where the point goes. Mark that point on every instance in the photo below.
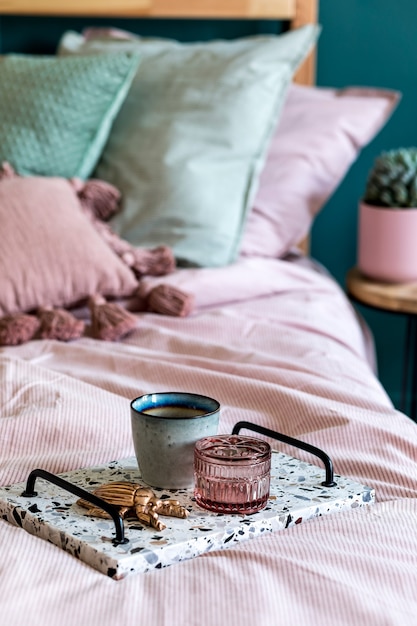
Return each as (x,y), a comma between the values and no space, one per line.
(232,473)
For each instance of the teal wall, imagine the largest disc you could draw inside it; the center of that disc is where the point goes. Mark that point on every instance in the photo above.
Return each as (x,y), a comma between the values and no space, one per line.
(41,34)
(364,42)
(372,43)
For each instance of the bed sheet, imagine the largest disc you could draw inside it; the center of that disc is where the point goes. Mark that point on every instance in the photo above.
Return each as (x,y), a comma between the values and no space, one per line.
(277,343)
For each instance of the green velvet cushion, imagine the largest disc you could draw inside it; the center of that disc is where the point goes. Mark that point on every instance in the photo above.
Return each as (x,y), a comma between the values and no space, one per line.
(187,147)
(56,113)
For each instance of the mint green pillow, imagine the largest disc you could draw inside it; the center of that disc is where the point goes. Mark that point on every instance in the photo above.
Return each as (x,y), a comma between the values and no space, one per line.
(56,113)
(189,142)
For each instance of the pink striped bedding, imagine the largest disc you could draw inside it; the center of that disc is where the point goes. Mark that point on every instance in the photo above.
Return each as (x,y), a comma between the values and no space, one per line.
(278,344)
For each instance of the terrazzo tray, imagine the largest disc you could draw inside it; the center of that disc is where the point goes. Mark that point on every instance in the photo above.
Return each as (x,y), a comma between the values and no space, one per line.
(297,494)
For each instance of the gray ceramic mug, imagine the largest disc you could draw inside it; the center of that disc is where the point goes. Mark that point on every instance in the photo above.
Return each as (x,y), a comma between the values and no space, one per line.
(165,428)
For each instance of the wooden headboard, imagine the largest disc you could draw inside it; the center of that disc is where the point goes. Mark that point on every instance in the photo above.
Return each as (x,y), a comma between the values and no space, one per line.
(295,12)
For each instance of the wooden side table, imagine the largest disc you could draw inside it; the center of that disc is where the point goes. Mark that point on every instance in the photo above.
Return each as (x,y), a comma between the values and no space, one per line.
(396,298)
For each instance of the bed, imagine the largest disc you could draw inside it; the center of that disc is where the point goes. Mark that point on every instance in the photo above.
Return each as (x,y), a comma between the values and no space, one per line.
(249,319)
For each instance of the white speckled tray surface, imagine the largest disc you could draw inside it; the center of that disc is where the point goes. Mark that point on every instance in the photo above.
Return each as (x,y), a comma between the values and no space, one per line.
(296,495)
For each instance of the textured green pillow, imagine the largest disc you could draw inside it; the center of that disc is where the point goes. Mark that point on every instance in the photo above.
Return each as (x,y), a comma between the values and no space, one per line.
(56,113)
(189,142)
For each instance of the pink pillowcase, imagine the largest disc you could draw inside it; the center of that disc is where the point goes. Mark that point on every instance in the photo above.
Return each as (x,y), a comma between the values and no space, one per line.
(50,252)
(319,136)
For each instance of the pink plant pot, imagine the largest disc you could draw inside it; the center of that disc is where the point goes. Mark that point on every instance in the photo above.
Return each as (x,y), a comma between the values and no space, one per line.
(387,243)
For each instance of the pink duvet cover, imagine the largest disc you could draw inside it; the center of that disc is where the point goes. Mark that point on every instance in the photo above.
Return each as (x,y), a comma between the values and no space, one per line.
(277,343)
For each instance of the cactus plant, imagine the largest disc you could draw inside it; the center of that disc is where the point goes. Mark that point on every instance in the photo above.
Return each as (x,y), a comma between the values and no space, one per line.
(392,182)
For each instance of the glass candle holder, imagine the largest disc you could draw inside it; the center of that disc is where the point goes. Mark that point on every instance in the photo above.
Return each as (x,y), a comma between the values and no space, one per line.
(232,473)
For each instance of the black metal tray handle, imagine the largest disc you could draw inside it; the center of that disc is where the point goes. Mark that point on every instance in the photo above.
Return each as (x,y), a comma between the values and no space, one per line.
(329,482)
(30,492)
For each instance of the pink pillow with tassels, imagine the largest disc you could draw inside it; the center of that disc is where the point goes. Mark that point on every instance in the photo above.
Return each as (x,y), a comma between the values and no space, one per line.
(57,252)
(50,253)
